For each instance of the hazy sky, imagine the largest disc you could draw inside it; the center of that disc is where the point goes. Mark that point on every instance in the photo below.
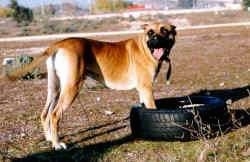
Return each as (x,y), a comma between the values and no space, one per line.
(33,3)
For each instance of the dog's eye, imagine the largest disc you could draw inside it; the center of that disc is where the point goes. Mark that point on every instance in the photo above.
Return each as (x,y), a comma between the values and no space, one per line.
(150,32)
(164,31)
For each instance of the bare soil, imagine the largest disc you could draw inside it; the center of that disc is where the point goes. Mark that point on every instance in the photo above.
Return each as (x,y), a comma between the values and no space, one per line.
(207,62)
(10,28)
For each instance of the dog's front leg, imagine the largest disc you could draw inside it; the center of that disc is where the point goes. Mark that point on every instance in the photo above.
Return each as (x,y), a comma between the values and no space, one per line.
(146,96)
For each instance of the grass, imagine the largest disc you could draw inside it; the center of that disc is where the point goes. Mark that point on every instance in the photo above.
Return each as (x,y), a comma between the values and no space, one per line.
(109,140)
(127,149)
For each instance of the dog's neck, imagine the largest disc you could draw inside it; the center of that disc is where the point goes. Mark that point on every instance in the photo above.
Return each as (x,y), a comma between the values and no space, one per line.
(143,40)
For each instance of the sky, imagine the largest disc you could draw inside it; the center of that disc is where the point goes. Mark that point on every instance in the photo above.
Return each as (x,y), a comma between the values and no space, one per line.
(34,3)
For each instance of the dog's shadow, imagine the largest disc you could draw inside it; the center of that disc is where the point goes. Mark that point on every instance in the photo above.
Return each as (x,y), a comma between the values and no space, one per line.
(96,151)
(88,153)
(240,116)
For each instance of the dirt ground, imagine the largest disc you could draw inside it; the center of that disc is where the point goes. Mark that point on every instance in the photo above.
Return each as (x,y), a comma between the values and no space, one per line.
(208,62)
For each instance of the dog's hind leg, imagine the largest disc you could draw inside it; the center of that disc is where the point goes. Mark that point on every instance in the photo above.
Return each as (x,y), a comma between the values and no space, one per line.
(66,98)
(69,68)
(52,97)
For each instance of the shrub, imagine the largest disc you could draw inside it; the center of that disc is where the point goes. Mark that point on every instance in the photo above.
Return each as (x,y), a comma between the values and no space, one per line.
(246,4)
(19,62)
(21,14)
(109,5)
(5,12)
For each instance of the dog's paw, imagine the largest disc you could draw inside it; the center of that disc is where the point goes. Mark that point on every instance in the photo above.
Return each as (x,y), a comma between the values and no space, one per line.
(48,136)
(60,146)
(168,82)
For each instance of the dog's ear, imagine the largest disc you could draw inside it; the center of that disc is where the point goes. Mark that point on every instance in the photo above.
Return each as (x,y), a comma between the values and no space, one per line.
(173,27)
(145,27)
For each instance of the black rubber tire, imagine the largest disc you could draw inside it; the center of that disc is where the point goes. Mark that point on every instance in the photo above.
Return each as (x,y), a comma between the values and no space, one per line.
(170,122)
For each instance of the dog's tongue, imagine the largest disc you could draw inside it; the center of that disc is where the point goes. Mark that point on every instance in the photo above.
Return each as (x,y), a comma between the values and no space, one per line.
(158,52)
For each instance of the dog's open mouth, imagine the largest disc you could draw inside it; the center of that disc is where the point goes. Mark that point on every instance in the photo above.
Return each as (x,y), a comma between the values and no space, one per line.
(158,53)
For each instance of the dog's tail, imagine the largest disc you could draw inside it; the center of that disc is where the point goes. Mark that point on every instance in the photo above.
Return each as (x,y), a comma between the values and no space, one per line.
(20,71)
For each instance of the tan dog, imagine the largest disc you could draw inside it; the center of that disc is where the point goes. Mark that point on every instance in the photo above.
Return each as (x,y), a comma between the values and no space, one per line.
(133,63)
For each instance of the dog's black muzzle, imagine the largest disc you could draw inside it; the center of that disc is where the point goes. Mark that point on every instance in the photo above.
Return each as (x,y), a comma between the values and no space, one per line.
(159,42)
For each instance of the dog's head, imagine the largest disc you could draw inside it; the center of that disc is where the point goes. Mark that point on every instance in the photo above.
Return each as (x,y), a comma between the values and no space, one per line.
(161,38)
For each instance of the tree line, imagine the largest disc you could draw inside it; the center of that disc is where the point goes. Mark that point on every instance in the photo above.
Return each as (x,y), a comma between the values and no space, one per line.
(24,15)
